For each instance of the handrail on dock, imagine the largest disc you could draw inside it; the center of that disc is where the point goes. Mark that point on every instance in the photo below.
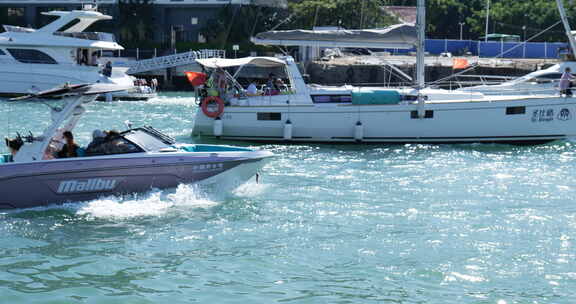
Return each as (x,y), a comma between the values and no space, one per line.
(174,60)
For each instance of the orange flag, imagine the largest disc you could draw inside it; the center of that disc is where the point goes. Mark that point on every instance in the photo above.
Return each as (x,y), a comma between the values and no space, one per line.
(460,63)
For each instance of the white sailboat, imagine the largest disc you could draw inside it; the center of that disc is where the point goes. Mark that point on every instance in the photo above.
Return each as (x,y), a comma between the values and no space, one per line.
(306,113)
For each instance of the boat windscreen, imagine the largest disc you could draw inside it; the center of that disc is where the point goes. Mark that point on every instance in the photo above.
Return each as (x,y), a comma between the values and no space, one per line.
(145,140)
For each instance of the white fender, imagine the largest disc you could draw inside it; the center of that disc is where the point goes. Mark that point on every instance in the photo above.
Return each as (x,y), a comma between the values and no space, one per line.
(420,106)
(358,131)
(288,130)
(217,127)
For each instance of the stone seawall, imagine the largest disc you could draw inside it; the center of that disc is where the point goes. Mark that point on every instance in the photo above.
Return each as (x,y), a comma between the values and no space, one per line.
(364,70)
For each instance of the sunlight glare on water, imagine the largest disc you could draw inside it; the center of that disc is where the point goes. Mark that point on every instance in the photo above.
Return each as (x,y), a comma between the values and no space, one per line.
(325,224)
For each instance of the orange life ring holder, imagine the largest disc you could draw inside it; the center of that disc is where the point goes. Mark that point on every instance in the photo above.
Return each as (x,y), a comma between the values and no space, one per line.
(208,110)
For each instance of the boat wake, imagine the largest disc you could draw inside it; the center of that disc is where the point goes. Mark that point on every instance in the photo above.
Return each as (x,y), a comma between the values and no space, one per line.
(173,100)
(250,189)
(155,203)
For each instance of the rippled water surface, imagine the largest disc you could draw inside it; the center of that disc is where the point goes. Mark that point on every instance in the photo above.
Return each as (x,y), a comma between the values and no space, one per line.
(327,224)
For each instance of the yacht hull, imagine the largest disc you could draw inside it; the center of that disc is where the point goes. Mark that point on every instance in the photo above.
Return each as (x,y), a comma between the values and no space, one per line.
(517,120)
(34,184)
(18,79)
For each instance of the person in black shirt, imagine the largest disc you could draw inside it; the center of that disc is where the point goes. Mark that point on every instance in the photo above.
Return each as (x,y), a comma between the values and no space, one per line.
(70,149)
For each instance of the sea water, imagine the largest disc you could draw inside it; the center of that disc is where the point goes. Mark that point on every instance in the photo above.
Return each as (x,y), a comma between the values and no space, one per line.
(326,224)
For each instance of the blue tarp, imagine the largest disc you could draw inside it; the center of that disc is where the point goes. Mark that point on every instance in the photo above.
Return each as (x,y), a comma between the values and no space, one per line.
(537,50)
(495,49)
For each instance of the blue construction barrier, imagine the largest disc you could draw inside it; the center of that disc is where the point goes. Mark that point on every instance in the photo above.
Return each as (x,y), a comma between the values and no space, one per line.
(495,49)
(536,50)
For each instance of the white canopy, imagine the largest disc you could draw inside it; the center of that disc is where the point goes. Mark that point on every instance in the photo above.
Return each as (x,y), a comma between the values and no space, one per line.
(401,36)
(265,62)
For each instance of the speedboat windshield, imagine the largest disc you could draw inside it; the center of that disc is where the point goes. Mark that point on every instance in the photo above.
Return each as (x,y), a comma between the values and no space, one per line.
(149,139)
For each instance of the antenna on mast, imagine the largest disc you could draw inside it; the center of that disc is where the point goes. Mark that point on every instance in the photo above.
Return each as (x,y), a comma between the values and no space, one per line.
(421,28)
(420,64)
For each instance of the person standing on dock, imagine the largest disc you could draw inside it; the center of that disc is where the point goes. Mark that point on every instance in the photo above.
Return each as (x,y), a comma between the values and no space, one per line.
(566,83)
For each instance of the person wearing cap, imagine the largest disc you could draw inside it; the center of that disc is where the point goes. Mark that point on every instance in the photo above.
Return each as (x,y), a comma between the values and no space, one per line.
(98,137)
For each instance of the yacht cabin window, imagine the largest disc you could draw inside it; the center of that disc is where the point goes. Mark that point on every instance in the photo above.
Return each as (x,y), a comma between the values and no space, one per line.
(2,52)
(31,56)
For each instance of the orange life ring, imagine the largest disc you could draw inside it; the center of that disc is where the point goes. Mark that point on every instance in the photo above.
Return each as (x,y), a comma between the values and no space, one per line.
(211,99)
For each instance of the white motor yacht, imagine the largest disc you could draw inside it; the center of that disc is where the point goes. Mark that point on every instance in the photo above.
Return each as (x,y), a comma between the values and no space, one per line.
(34,60)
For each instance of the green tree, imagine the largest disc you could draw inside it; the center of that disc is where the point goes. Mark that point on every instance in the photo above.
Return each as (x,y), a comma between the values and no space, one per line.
(235,24)
(350,14)
(521,17)
(525,18)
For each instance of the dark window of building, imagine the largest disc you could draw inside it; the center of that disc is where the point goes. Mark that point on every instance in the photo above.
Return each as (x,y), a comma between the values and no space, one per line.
(427,114)
(515,110)
(31,56)
(269,116)
(15,12)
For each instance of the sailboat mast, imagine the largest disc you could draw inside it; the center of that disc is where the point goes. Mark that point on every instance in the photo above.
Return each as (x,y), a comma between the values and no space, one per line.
(567,26)
(421,27)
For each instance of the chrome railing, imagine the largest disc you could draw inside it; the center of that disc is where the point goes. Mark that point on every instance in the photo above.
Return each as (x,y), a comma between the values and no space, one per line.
(94,36)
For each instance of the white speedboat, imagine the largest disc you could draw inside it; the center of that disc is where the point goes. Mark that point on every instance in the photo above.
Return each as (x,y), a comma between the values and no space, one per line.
(138,88)
(34,60)
(305,113)
(136,160)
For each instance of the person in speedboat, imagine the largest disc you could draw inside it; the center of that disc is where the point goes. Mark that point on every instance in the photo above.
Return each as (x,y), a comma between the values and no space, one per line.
(70,148)
(98,137)
(111,143)
(13,145)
